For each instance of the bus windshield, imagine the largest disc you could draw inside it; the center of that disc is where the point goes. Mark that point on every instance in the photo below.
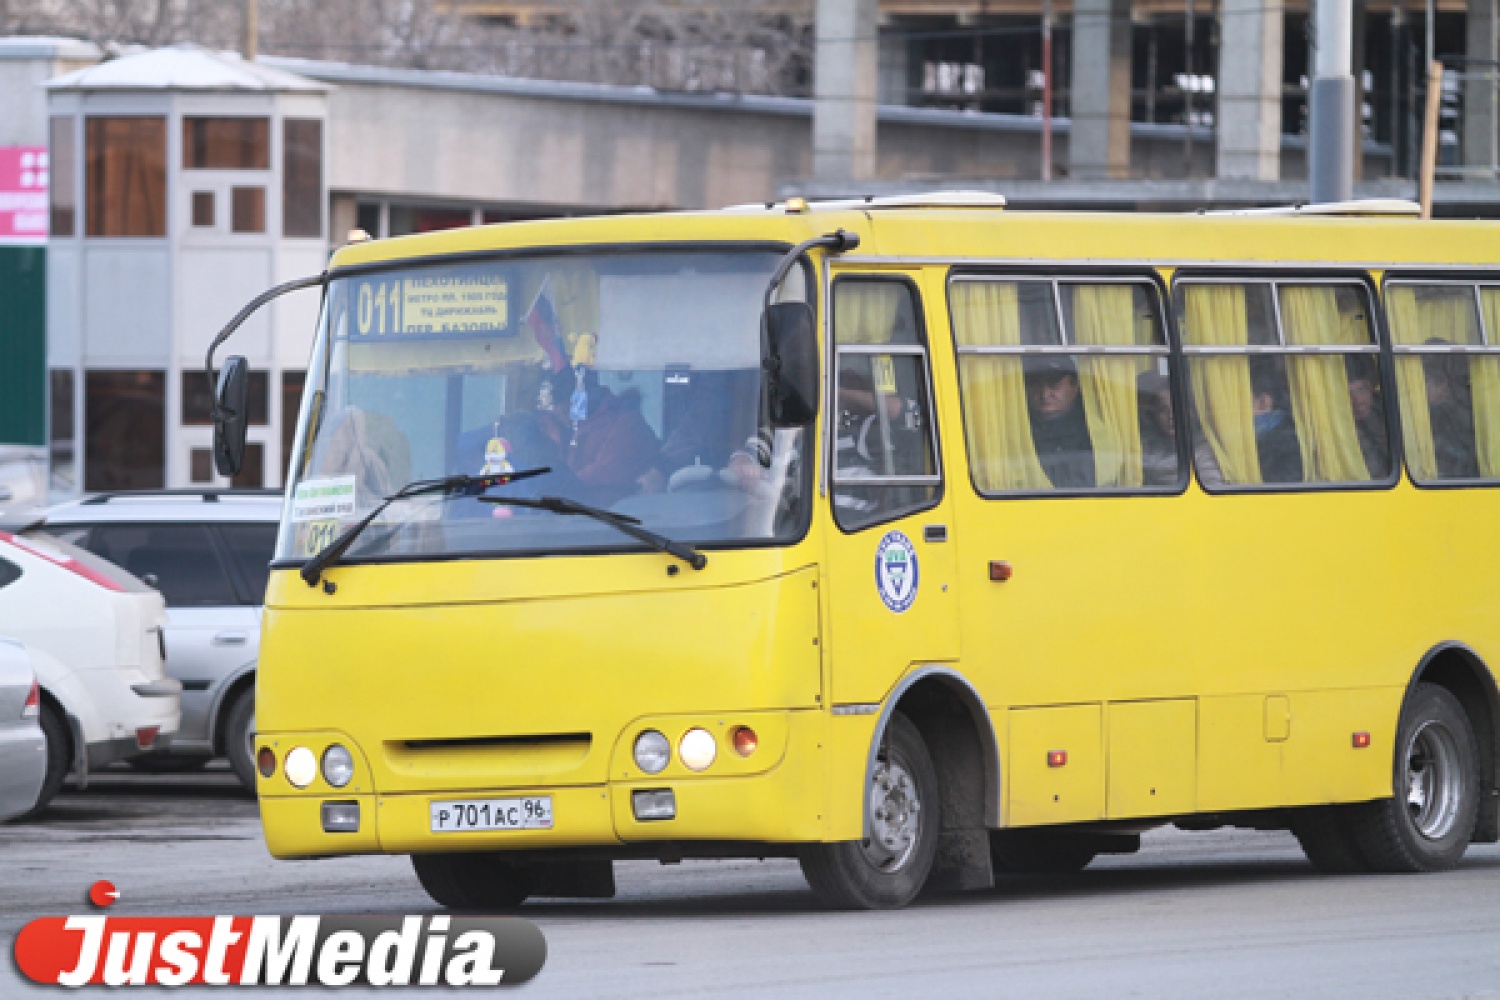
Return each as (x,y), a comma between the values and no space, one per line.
(633,377)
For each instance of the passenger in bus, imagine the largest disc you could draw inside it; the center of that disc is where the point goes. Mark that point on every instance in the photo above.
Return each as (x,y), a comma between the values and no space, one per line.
(1159,437)
(615,450)
(1450,408)
(1275,433)
(1059,428)
(1369,416)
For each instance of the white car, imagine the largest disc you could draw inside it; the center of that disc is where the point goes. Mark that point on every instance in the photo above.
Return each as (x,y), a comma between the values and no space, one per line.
(23,748)
(96,640)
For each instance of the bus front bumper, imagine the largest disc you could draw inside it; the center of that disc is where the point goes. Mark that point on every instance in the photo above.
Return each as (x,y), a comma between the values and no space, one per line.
(782,804)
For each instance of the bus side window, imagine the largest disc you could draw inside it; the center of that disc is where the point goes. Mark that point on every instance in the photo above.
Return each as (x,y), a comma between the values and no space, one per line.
(1266,409)
(885,464)
(1448,377)
(1065,385)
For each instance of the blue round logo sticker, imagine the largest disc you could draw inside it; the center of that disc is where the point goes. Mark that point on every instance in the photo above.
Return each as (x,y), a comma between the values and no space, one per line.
(896,571)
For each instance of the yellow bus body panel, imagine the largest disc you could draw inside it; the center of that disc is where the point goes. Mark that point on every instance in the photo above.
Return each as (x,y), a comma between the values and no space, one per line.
(1190,653)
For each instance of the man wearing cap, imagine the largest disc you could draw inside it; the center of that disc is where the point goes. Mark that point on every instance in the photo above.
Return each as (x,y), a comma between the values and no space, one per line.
(1058,426)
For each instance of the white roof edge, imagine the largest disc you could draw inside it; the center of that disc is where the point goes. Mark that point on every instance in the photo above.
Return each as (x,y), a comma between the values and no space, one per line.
(926,199)
(47,47)
(1378,207)
(185,67)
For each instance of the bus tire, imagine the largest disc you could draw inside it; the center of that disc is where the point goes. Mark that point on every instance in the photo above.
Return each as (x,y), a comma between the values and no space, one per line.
(483,880)
(903,815)
(1327,839)
(1039,852)
(1427,824)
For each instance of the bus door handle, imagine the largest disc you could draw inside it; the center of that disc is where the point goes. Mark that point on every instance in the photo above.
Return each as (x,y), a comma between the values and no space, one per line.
(934,532)
(229,638)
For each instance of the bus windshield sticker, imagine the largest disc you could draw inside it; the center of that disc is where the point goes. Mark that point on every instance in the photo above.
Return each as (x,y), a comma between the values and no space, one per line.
(322,499)
(431,307)
(896,571)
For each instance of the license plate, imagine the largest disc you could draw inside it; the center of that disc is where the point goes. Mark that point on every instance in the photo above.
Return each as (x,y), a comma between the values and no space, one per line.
(531,813)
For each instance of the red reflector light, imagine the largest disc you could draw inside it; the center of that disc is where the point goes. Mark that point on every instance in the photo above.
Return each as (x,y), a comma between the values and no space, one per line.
(1361,740)
(1057,758)
(145,736)
(1000,570)
(33,707)
(744,741)
(265,761)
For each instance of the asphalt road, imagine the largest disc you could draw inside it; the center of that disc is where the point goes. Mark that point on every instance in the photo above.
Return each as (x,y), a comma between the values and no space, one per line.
(1224,914)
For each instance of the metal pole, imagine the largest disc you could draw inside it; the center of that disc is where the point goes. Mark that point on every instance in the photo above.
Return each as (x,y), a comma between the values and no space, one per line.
(1429,30)
(252,28)
(1330,146)
(1047,90)
(1187,93)
(1430,137)
(1395,76)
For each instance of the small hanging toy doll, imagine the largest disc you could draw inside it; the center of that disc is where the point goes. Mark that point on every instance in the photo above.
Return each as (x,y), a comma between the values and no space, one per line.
(496,456)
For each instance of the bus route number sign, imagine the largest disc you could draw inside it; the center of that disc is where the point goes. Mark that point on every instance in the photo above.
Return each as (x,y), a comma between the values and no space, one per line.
(435,307)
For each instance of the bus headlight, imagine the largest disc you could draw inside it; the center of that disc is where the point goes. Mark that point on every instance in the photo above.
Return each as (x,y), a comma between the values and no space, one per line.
(697,749)
(652,752)
(301,767)
(338,765)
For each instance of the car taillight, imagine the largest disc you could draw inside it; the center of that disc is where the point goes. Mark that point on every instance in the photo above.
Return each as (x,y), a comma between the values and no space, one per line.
(58,558)
(33,707)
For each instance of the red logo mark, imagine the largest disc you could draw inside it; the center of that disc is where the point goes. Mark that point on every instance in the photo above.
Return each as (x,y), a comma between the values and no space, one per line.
(103,893)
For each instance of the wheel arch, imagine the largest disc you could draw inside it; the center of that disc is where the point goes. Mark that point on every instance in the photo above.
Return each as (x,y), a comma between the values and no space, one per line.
(921,694)
(1456,667)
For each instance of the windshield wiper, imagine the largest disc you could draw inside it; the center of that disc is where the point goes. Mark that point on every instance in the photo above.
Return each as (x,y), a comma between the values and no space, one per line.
(621,522)
(312,570)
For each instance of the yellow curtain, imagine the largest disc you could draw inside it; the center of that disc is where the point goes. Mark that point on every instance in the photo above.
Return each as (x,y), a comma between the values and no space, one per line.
(865,312)
(1215,315)
(1484,376)
(1411,383)
(993,388)
(1321,408)
(1105,314)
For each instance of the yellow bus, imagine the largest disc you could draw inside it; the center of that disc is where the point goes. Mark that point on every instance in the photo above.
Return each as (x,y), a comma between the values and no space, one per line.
(916,539)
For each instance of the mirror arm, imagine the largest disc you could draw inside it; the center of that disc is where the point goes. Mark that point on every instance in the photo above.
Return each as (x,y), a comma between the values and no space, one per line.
(838,241)
(208,362)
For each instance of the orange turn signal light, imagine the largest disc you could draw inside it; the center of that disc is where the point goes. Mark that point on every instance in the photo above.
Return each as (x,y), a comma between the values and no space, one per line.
(1057,758)
(744,740)
(265,762)
(1361,740)
(1000,570)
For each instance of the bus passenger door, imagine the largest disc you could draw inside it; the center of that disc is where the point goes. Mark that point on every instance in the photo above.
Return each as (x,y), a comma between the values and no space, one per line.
(890,556)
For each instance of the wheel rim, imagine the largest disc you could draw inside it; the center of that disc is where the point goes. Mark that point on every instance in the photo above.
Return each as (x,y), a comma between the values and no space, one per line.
(1433,780)
(895,815)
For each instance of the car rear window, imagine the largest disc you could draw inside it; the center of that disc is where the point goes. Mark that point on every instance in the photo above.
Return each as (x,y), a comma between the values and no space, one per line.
(180,560)
(251,547)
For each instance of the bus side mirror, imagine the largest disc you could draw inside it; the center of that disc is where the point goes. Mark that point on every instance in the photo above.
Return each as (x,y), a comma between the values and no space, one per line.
(230,424)
(791,364)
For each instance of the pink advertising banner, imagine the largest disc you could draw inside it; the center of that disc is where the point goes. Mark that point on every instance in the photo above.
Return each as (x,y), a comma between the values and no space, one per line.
(23,194)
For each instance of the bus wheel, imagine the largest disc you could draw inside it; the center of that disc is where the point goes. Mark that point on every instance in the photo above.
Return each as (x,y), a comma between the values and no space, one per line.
(473,881)
(1327,839)
(902,815)
(1040,852)
(1426,826)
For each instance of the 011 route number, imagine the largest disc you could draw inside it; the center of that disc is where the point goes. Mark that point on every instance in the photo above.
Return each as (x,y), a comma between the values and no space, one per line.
(533,813)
